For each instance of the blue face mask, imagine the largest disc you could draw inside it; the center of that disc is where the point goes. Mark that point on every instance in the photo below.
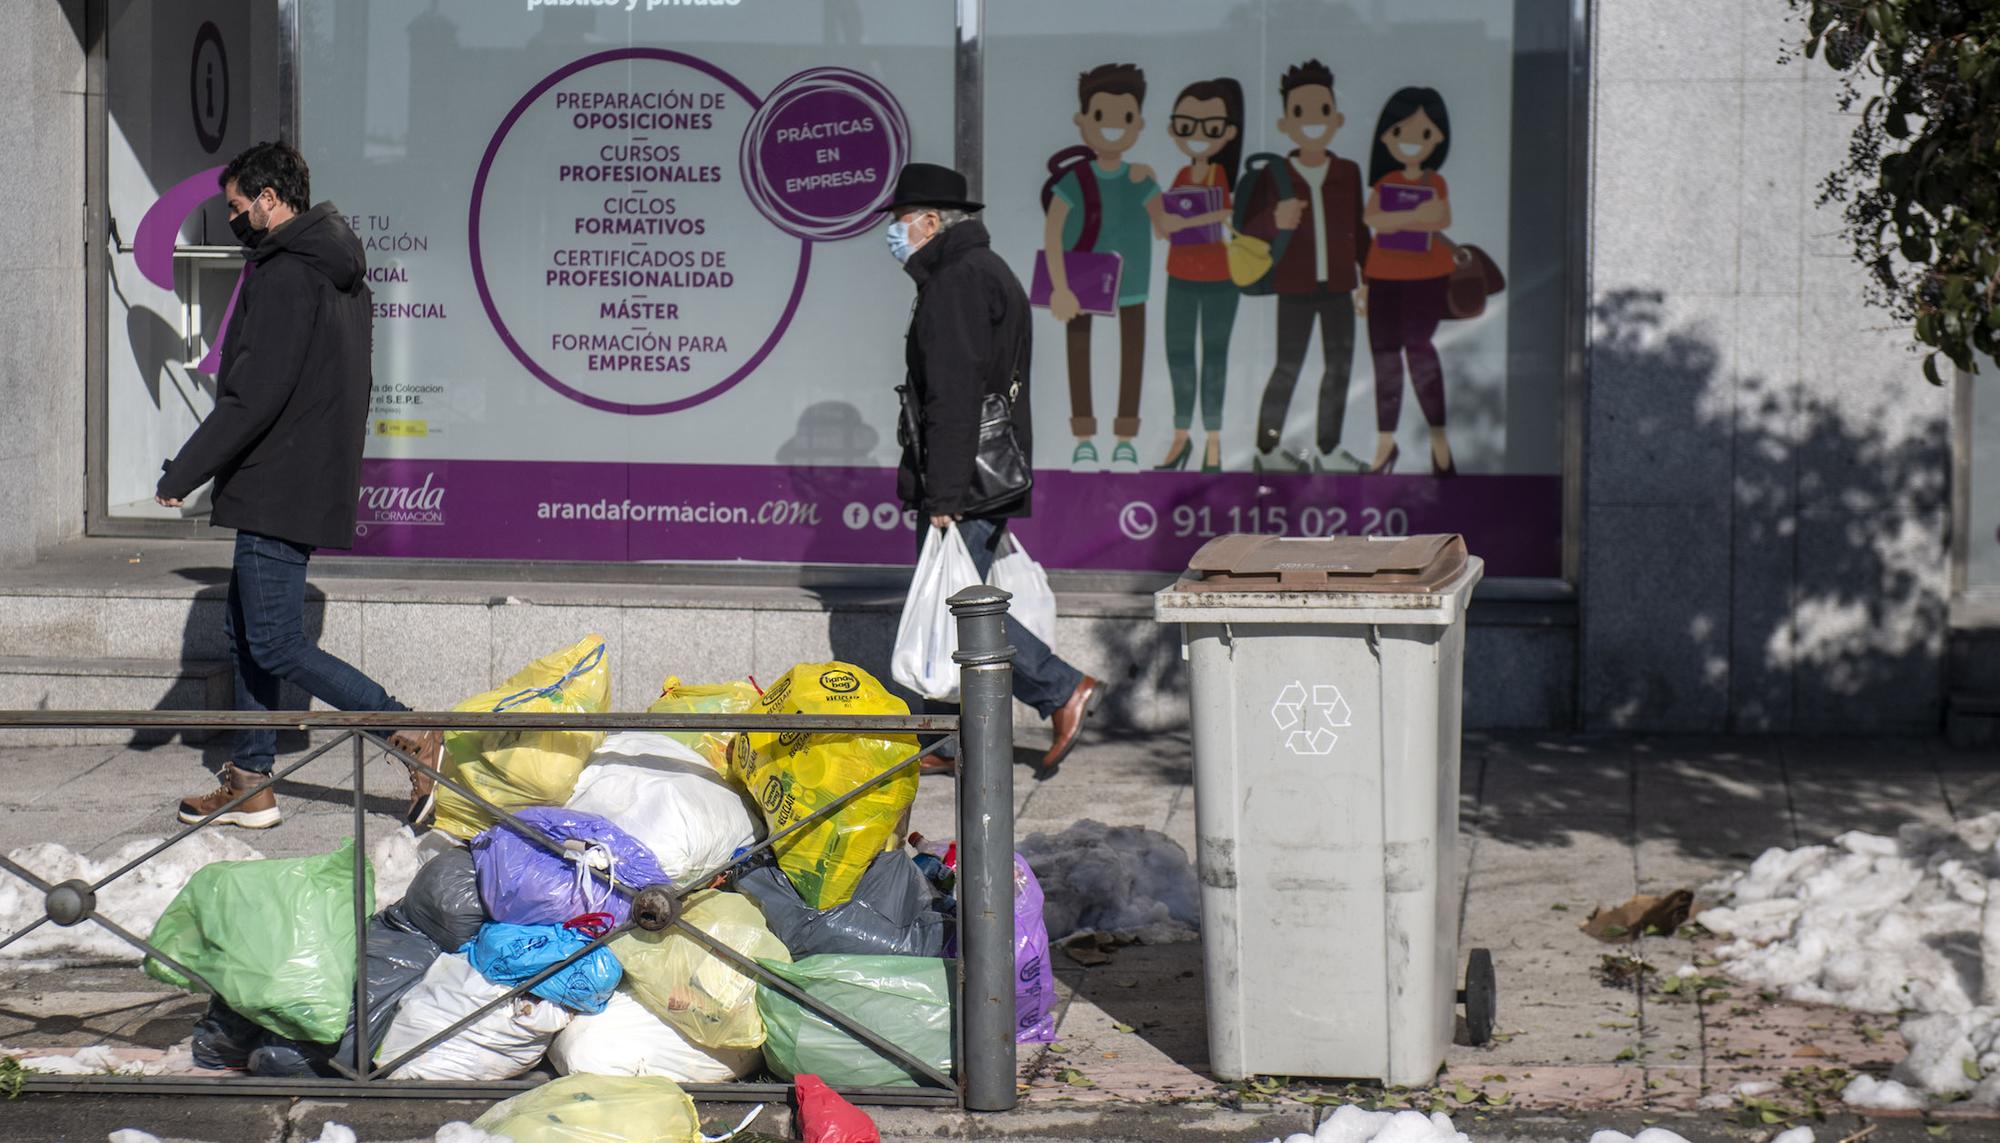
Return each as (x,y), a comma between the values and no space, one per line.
(899,241)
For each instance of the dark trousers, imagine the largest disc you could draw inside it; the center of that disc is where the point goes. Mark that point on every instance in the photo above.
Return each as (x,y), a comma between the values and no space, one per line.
(266,625)
(1131,370)
(1335,311)
(1402,319)
(1041,679)
(1207,308)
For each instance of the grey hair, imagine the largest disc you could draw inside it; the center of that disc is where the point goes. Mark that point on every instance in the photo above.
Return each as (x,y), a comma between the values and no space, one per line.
(948,218)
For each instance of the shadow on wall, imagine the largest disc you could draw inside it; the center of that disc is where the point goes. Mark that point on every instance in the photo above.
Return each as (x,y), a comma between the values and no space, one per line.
(1821,604)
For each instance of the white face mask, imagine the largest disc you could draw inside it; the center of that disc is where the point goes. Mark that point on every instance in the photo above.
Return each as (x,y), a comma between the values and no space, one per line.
(899,241)
(1317,132)
(1410,150)
(1113,134)
(1198,146)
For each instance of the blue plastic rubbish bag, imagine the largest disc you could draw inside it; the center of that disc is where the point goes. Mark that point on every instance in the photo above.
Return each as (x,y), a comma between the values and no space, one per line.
(509,954)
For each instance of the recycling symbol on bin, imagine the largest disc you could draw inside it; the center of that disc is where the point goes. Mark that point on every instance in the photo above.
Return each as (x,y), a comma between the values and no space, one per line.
(1310,716)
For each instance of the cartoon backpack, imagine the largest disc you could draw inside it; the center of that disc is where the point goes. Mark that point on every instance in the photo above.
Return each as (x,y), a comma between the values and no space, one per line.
(1253,261)
(1093,274)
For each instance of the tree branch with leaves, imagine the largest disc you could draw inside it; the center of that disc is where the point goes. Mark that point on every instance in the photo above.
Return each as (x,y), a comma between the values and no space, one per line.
(1920,191)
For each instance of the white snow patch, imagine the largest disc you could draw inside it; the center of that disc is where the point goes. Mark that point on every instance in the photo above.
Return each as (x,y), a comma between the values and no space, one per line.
(1881,1095)
(1891,925)
(1649,1135)
(134,901)
(397,858)
(336,1133)
(466,1133)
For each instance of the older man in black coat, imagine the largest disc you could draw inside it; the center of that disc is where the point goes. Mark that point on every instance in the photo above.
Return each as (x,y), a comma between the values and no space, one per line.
(969,337)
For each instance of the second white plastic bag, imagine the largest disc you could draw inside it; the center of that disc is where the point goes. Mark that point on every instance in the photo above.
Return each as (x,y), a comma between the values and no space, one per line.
(1034,603)
(927,636)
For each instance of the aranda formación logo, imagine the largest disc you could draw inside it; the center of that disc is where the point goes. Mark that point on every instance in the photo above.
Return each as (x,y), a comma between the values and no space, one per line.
(382,505)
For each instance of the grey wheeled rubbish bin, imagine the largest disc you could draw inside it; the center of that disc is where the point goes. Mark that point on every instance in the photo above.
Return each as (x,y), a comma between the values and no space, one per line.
(1324,684)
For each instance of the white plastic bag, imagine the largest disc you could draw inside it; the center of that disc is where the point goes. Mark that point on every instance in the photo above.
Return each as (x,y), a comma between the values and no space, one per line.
(1017,574)
(627,1040)
(500,1045)
(668,797)
(927,635)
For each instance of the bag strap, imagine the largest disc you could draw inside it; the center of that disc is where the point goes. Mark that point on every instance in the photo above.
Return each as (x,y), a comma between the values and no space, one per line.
(587,663)
(1258,166)
(1062,164)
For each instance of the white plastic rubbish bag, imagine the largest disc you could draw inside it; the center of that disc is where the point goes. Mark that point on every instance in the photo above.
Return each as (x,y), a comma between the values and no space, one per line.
(668,797)
(500,1045)
(927,635)
(1017,574)
(627,1040)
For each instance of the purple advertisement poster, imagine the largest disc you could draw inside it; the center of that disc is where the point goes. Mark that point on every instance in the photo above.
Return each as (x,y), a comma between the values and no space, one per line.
(633,303)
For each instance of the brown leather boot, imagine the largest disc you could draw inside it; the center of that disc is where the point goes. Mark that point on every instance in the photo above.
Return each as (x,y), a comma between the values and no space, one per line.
(427,747)
(1068,722)
(258,811)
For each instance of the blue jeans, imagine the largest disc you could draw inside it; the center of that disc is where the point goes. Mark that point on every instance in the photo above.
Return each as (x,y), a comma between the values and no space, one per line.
(267,638)
(1041,680)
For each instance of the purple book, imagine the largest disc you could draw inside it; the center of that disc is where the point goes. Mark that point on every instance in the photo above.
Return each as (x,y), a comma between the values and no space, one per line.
(1093,277)
(1192,202)
(1401,197)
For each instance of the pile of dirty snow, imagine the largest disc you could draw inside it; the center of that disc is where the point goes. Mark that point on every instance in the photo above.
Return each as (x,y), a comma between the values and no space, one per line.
(134,901)
(1134,882)
(1351,1124)
(1885,925)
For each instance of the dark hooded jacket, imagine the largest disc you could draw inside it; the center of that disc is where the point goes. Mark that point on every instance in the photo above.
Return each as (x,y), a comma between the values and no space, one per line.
(968,334)
(291,409)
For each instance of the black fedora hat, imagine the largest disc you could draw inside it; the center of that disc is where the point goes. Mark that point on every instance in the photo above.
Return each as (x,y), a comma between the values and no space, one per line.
(927,184)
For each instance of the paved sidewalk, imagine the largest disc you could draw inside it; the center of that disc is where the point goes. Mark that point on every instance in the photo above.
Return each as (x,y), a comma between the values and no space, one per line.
(1552,825)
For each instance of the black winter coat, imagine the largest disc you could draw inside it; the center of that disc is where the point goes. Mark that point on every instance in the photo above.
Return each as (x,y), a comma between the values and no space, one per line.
(291,409)
(968,334)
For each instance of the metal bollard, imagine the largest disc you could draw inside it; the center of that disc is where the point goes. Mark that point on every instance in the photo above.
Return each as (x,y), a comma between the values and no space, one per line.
(986,845)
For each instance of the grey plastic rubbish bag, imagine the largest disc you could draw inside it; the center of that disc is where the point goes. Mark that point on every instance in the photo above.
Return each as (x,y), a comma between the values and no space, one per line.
(892,913)
(442,902)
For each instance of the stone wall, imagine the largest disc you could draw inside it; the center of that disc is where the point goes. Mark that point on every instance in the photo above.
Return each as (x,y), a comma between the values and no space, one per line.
(1764,543)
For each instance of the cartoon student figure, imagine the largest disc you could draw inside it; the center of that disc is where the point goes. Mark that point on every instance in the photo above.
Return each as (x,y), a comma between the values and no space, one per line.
(1409,269)
(1317,279)
(1120,209)
(1207,126)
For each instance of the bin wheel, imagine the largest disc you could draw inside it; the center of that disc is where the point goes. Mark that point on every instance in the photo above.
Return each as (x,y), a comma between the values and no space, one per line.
(1482,996)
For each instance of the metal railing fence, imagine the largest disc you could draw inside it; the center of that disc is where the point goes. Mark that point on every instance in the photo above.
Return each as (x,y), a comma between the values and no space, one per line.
(984,1053)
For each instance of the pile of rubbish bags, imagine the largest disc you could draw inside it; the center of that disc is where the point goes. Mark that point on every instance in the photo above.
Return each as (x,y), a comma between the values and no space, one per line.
(846,912)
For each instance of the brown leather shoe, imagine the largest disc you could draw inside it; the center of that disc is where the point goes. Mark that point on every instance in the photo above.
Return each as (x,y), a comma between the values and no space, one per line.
(427,747)
(258,811)
(1068,723)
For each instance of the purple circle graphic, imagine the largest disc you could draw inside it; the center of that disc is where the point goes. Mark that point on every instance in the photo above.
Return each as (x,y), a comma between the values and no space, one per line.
(506,335)
(819,156)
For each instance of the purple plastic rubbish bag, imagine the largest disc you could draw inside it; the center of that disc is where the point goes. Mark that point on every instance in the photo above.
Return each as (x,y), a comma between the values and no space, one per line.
(524,884)
(1034,976)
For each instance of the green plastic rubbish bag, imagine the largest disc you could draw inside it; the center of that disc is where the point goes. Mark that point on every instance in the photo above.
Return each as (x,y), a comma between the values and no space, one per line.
(904,999)
(275,938)
(597,1109)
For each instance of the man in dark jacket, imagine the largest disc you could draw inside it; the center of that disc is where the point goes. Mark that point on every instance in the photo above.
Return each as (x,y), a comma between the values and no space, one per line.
(283,445)
(969,337)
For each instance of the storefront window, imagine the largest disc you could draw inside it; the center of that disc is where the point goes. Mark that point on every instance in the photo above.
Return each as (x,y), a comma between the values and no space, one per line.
(194,82)
(632,301)
(1982,548)
(1353,350)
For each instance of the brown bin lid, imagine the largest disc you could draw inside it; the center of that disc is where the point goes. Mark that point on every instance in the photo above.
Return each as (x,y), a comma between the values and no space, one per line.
(1417,565)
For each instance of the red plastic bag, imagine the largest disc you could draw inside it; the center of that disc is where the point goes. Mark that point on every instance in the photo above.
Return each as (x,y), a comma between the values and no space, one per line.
(824,1117)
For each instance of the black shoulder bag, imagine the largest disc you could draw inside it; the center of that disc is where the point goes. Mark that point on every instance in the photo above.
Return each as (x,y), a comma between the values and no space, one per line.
(1001,471)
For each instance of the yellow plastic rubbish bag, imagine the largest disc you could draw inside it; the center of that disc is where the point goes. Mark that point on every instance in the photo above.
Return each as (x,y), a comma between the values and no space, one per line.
(597,1109)
(710,1001)
(520,768)
(791,775)
(677,697)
